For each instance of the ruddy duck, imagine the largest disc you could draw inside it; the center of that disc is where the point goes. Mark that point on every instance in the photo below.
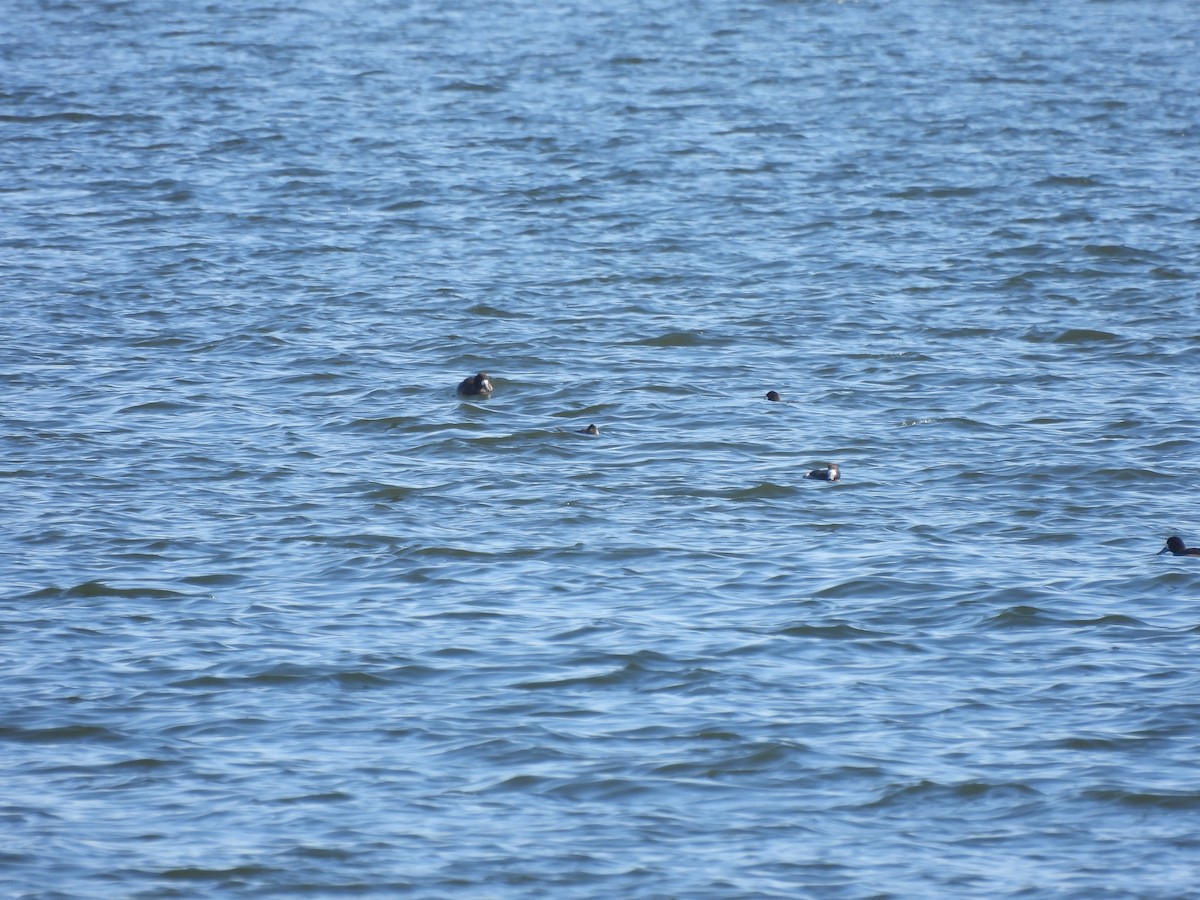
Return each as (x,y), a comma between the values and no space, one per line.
(1176,548)
(833,473)
(475,385)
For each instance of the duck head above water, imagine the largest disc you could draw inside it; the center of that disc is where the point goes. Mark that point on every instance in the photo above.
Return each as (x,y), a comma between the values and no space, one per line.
(1176,547)
(475,385)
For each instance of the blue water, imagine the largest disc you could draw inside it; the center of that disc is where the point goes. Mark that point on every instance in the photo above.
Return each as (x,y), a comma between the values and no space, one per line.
(282,615)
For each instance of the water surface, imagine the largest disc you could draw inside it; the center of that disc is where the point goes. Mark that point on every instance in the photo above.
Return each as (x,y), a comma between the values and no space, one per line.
(282,614)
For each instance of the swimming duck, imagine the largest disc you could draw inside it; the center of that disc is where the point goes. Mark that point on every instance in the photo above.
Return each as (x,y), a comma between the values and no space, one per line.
(1176,548)
(475,385)
(833,473)
(774,395)
(591,429)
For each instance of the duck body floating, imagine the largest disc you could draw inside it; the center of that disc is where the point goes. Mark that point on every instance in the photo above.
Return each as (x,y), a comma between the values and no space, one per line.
(832,473)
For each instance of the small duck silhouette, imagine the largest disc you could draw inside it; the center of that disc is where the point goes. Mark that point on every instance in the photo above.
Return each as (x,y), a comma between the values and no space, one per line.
(1175,547)
(774,396)
(591,429)
(833,473)
(475,385)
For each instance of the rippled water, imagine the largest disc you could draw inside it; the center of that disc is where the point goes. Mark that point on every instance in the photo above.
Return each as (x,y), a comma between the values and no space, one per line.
(282,614)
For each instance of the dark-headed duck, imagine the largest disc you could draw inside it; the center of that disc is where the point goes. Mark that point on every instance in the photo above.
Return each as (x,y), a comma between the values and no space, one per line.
(1176,548)
(475,385)
(591,429)
(774,396)
(833,473)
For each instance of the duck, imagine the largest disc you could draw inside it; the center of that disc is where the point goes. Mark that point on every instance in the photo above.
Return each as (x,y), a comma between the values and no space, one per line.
(832,473)
(475,385)
(774,396)
(591,429)
(1176,547)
